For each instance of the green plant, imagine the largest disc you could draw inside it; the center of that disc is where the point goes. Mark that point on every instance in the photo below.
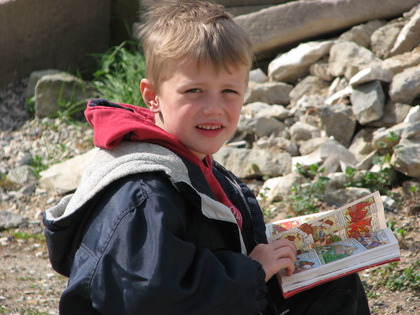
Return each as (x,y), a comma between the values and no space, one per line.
(32,312)
(120,70)
(375,181)
(27,236)
(400,230)
(30,105)
(6,184)
(390,141)
(70,104)
(414,189)
(305,198)
(399,279)
(38,165)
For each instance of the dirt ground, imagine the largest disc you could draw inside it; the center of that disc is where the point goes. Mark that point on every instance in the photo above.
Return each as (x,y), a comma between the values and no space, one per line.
(28,285)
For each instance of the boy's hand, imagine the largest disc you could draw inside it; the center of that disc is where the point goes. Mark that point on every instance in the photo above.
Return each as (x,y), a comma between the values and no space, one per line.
(276,256)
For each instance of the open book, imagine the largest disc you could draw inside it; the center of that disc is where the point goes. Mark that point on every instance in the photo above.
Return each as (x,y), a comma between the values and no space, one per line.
(335,243)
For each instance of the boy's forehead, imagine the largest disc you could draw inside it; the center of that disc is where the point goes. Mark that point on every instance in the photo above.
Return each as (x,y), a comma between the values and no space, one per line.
(194,66)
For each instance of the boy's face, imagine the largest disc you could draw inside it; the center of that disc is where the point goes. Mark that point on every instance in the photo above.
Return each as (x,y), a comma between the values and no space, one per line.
(197,105)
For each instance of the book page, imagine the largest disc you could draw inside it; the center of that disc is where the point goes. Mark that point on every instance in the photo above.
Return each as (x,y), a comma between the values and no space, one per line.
(348,251)
(358,218)
(273,229)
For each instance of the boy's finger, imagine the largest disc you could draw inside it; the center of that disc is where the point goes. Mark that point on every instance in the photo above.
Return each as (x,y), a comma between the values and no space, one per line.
(287,265)
(285,252)
(282,243)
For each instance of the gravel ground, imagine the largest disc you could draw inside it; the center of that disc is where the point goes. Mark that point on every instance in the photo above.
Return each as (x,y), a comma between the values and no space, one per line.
(28,283)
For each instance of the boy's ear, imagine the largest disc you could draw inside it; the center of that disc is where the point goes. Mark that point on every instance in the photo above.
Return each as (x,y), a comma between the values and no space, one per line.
(149,95)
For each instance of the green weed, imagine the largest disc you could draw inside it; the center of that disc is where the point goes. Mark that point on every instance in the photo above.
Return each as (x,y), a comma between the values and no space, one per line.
(398,230)
(38,165)
(394,278)
(120,70)
(27,236)
(6,184)
(306,198)
(381,180)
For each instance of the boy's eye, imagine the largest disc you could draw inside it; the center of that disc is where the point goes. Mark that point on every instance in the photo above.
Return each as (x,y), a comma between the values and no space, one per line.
(229,91)
(193,91)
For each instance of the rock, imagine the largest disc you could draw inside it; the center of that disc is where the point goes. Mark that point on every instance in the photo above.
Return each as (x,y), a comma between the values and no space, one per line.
(309,146)
(413,115)
(310,85)
(336,182)
(383,39)
(278,188)
(34,78)
(411,134)
(409,37)
(348,58)
(60,89)
(335,156)
(22,175)
(406,159)
(362,144)
(339,122)
(247,163)
(399,63)
(343,196)
(389,138)
(320,70)
(367,162)
(265,126)
(274,111)
(258,76)
(394,113)
(269,92)
(294,64)
(302,131)
(405,86)
(360,34)
(368,101)
(64,177)
(10,220)
(371,74)
(339,96)
(384,138)
(252,109)
(307,160)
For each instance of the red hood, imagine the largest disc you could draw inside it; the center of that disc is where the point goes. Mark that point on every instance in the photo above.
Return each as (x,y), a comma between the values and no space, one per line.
(115,122)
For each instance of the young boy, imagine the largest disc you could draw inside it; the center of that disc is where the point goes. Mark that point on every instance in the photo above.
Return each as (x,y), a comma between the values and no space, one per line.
(156,226)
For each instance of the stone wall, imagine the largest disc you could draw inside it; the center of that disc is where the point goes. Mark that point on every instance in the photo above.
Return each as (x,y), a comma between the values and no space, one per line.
(236,7)
(42,34)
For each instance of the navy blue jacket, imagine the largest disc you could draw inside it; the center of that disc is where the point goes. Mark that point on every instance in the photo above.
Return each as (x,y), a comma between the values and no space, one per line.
(142,244)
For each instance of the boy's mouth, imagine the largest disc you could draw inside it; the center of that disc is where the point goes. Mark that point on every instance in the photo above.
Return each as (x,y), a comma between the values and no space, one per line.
(208,127)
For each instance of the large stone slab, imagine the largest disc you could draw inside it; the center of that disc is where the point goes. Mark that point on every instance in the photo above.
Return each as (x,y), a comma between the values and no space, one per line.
(278,27)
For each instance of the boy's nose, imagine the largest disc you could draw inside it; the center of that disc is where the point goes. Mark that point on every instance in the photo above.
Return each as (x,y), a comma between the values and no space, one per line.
(213,105)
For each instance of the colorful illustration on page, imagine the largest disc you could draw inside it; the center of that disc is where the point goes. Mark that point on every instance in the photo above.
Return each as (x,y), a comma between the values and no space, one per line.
(306,261)
(358,211)
(280,227)
(337,251)
(299,239)
(324,231)
(360,228)
(316,234)
(372,240)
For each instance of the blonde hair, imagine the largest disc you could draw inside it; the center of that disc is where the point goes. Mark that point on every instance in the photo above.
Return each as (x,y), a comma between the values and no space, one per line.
(185,30)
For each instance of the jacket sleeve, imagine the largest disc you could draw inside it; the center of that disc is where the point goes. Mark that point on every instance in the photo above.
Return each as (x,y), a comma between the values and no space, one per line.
(145,266)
